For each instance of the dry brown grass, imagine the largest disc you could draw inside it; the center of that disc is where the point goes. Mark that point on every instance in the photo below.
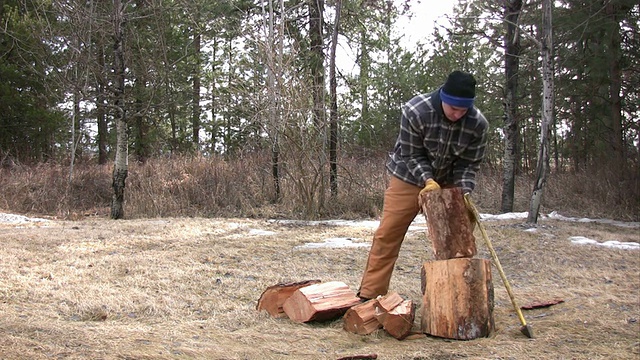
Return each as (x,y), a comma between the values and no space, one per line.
(186,288)
(211,187)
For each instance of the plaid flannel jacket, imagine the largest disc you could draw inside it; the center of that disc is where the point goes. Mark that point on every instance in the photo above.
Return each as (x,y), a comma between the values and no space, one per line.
(431,146)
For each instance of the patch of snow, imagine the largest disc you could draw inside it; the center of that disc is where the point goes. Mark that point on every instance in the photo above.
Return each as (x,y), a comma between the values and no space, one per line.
(556,216)
(506,216)
(334,243)
(419,224)
(18,219)
(614,244)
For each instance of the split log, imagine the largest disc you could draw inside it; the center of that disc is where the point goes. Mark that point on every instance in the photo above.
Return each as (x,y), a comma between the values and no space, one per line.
(399,321)
(457,300)
(384,304)
(448,225)
(360,319)
(320,302)
(274,296)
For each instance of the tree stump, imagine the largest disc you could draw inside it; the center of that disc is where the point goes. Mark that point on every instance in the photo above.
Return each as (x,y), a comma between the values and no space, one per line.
(457,300)
(319,302)
(274,296)
(448,225)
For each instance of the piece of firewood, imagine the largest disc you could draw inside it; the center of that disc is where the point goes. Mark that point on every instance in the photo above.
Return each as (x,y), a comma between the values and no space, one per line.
(541,304)
(360,357)
(457,300)
(448,225)
(399,321)
(320,302)
(360,319)
(274,296)
(386,303)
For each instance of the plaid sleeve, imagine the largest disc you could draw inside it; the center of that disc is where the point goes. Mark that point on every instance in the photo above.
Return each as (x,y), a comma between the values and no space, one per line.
(411,139)
(467,166)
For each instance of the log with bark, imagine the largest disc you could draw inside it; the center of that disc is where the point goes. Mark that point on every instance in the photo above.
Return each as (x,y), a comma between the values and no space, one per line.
(390,312)
(360,319)
(384,304)
(457,300)
(398,321)
(448,225)
(320,302)
(272,299)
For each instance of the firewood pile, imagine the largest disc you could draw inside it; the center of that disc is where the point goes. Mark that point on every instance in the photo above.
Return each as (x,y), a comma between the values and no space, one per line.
(312,300)
(457,290)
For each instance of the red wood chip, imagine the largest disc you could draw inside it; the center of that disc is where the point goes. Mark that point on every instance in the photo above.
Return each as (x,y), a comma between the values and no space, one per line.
(541,304)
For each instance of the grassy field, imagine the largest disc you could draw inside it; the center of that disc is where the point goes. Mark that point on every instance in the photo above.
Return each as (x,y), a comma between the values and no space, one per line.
(187,288)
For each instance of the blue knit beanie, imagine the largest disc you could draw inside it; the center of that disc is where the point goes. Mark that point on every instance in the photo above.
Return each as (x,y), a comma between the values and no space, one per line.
(459,90)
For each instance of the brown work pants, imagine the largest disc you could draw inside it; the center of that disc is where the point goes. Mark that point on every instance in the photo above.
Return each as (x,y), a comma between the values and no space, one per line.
(399,209)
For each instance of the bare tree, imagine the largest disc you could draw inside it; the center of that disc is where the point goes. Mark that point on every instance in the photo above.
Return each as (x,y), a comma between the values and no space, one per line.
(195,117)
(121,165)
(333,118)
(542,168)
(316,62)
(512,10)
(274,71)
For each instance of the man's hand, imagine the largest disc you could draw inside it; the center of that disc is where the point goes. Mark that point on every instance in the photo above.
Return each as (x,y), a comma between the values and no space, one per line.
(430,185)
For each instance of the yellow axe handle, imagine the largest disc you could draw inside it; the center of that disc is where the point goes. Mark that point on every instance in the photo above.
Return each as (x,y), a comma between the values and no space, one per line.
(494,256)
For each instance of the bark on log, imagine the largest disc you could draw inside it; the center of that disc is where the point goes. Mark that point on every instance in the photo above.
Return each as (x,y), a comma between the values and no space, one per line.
(448,225)
(385,304)
(457,300)
(361,320)
(274,296)
(320,302)
(399,321)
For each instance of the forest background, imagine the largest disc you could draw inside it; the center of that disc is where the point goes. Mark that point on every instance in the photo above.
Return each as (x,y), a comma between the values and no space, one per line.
(238,108)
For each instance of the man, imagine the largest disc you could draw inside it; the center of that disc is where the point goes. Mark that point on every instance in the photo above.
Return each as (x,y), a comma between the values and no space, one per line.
(441,143)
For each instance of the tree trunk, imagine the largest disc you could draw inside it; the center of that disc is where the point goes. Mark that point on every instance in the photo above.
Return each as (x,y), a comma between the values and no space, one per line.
(511,131)
(617,154)
(316,62)
(121,165)
(101,96)
(141,146)
(273,94)
(195,117)
(316,8)
(542,168)
(364,134)
(333,126)
(214,96)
